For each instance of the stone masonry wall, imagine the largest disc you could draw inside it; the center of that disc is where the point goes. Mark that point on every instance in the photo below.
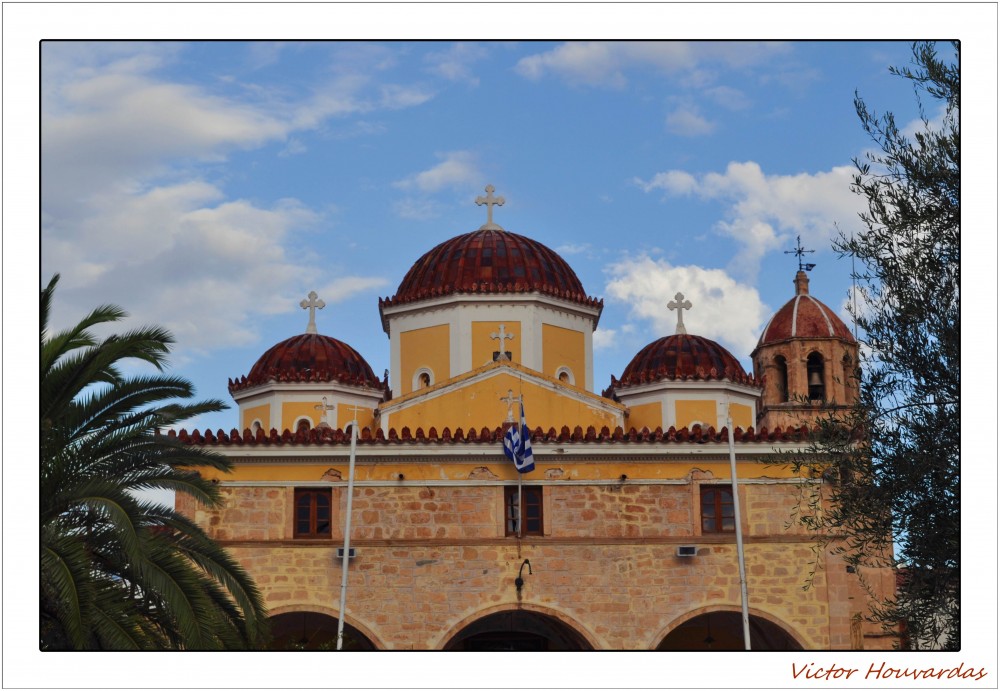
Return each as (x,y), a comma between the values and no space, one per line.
(433,558)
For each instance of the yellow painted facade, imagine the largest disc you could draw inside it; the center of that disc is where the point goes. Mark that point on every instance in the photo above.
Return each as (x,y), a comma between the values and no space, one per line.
(742,415)
(258,412)
(478,405)
(293,410)
(483,346)
(563,348)
(345,414)
(702,412)
(419,348)
(648,415)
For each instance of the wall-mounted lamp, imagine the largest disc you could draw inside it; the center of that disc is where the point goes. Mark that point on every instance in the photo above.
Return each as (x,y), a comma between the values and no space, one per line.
(624,477)
(519,582)
(400,476)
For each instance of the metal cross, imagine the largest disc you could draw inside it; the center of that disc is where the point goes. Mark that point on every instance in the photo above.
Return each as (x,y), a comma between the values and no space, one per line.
(679,304)
(510,399)
(326,408)
(798,252)
(501,337)
(490,201)
(312,304)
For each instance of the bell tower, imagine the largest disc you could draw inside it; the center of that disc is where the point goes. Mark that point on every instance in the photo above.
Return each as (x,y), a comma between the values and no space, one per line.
(808,359)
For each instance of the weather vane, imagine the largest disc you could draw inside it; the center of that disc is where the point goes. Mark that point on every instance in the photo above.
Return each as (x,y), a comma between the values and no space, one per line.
(799,252)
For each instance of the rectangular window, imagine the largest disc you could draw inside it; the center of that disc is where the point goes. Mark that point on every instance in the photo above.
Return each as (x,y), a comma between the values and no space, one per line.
(529,511)
(313,513)
(717,514)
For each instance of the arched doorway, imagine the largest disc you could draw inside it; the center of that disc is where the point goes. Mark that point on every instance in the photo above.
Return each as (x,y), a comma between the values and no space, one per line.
(724,631)
(313,631)
(517,629)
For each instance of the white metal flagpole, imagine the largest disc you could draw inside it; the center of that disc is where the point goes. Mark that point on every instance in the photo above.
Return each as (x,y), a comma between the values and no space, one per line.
(739,529)
(347,533)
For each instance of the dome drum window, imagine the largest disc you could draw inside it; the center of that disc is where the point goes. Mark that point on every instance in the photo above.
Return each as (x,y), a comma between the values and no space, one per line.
(423,378)
(303,424)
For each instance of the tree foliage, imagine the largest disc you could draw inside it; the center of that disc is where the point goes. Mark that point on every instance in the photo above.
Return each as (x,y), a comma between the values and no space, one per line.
(117,571)
(897,452)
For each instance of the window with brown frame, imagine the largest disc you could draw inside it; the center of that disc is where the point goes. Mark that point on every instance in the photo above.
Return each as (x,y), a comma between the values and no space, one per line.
(313,513)
(717,514)
(530,511)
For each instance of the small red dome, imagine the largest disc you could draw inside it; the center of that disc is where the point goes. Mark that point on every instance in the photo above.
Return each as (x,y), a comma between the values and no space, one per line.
(309,357)
(490,261)
(683,356)
(804,317)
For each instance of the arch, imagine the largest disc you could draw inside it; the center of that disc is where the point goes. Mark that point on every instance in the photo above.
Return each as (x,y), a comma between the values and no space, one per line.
(303,422)
(481,621)
(767,631)
(781,378)
(256,426)
(423,378)
(816,376)
(363,637)
(565,375)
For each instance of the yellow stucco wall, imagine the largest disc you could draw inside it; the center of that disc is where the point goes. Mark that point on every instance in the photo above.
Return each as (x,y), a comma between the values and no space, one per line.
(258,412)
(478,405)
(293,410)
(742,415)
(704,412)
(345,414)
(483,346)
(648,415)
(428,348)
(563,348)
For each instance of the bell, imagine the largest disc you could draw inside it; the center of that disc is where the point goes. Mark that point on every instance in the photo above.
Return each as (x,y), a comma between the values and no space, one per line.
(815,378)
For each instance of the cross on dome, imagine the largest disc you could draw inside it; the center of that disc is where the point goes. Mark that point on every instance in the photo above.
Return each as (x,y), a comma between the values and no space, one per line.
(312,304)
(490,201)
(501,337)
(679,304)
(799,252)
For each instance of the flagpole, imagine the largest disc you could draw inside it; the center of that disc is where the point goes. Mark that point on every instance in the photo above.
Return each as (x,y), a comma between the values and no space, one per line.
(347,533)
(739,528)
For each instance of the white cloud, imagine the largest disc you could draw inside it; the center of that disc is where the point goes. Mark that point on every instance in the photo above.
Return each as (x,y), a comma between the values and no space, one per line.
(455,64)
(604,339)
(416,209)
(686,121)
(728,97)
(573,248)
(763,213)
(457,169)
(605,63)
(723,309)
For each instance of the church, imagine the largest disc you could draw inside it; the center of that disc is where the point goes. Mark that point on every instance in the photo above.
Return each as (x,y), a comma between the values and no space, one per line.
(614,526)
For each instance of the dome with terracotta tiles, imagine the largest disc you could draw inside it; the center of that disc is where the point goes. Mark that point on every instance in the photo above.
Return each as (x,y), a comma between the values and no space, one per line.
(804,317)
(682,356)
(309,357)
(489,261)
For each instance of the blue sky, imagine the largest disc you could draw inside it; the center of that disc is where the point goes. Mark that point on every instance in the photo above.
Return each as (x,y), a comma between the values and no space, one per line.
(209,186)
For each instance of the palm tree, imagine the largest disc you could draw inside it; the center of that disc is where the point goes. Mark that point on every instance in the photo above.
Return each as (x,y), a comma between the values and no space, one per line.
(117,571)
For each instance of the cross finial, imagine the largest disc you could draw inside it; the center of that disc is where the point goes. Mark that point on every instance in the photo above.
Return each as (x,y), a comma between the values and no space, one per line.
(510,399)
(679,304)
(502,336)
(326,408)
(312,304)
(799,252)
(490,201)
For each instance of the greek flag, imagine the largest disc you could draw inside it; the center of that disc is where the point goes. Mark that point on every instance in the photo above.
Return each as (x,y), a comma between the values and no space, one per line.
(517,446)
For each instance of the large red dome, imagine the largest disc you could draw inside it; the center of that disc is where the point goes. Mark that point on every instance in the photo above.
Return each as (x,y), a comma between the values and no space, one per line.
(682,356)
(804,317)
(309,357)
(490,261)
